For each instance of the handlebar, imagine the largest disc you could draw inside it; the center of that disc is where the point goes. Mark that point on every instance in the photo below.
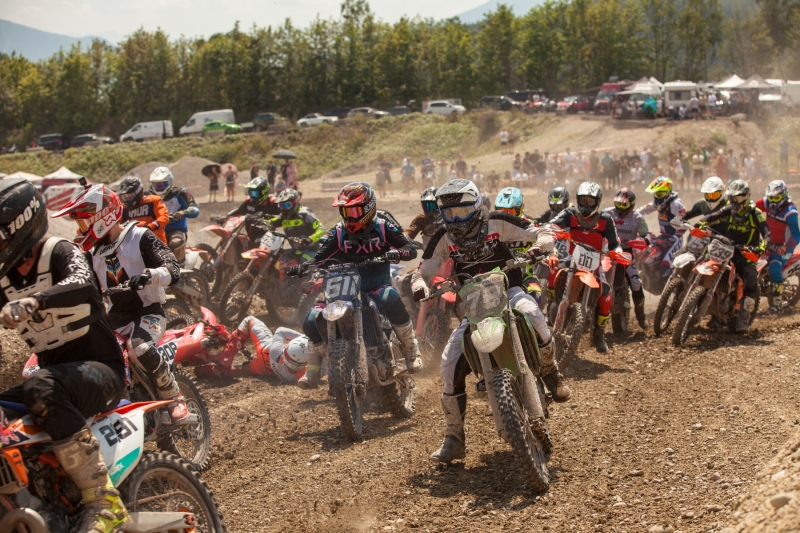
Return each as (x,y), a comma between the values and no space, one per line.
(122,287)
(305,267)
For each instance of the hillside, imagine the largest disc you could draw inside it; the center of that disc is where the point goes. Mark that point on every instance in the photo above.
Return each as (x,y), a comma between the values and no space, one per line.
(35,44)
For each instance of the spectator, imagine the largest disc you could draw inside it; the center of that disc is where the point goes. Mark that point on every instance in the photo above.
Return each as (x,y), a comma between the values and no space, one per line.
(694,105)
(616,170)
(784,156)
(541,165)
(493,180)
(272,170)
(516,166)
(213,183)
(749,166)
(380,183)
(291,176)
(686,166)
(606,165)
(682,112)
(511,141)
(697,169)
(507,181)
(594,165)
(386,167)
(230,181)
(461,167)
(733,166)
(569,161)
(280,185)
(504,142)
(712,106)
(644,156)
(635,174)
(721,165)
(444,172)
(407,172)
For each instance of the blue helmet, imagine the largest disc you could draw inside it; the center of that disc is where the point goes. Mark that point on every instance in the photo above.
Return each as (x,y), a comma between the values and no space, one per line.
(510,200)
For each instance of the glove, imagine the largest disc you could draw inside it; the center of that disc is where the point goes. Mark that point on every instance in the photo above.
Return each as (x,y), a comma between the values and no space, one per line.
(536,251)
(137,283)
(297,270)
(781,250)
(305,241)
(421,293)
(17,311)
(552,262)
(176,216)
(252,217)
(393,256)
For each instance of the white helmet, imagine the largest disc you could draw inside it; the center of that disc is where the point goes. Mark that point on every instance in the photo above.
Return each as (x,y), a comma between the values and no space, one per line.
(712,190)
(295,355)
(161,180)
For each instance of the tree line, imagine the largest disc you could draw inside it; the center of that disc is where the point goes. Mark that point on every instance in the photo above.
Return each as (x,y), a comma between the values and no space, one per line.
(560,46)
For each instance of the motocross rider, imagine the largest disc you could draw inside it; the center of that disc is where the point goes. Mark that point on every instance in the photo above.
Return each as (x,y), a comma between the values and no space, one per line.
(180,204)
(630,225)
(297,223)
(510,200)
(363,234)
(425,223)
(784,234)
(747,226)
(258,205)
(668,206)
(713,199)
(146,209)
(478,241)
(127,253)
(82,371)
(587,224)
(558,200)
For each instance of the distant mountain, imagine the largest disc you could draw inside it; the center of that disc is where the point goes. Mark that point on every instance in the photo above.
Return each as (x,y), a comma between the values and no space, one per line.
(34,44)
(520,7)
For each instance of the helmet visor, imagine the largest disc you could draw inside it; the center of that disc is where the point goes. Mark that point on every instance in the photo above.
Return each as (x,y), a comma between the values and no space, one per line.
(587,201)
(660,195)
(776,198)
(128,198)
(712,196)
(255,194)
(429,206)
(352,212)
(459,213)
(739,199)
(511,210)
(285,206)
(159,186)
(622,205)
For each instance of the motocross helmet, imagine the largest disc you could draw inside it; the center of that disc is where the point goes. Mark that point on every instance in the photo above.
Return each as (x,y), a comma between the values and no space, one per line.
(295,355)
(257,190)
(23,221)
(713,190)
(288,202)
(357,204)
(660,188)
(558,199)
(739,195)
(777,196)
(460,205)
(510,200)
(625,201)
(429,207)
(589,197)
(131,192)
(96,210)
(161,180)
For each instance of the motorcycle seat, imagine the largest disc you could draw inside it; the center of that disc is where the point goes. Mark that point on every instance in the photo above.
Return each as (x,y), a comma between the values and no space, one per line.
(20,409)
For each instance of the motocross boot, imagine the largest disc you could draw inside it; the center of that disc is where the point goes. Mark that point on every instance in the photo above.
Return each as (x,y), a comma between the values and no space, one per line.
(168,389)
(638,309)
(599,334)
(80,458)
(550,374)
(714,323)
(452,448)
(409,347)
(776,301)
(311,378)
(743,320)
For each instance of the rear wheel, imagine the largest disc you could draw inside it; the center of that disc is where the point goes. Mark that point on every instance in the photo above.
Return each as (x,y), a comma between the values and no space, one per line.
(180,322)
(192,443)
(687,317)
(349,405)
(621,318)
(436,331)
(569,337)
(399,397)
(668,305)
(233,304)
(175,307)
(196,294)
(206,268)
(524,443)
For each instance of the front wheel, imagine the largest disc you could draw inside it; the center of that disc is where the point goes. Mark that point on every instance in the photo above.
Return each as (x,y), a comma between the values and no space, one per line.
(526,447)
(400,396)
(164,483)
(436,331)
(668,305)
(687,316)
(349,403)
(621,318)
(192,443)
(233,303)
(569,337)
(791,290)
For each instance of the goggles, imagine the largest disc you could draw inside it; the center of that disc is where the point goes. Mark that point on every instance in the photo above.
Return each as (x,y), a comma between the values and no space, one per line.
(739,199)
(430,207)
(255,194)
(459,213)
(85,219)
(285,206)
(712,196)
(660,195)
(622,205)
(352,212)
(159,186)
(512,210)
(128,197)
(776,198)
(587,201)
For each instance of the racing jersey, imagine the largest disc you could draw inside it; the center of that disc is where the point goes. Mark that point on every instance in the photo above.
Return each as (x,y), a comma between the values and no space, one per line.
(255,230)
(750,229)
(276,347)
(783,227)
(701,208)
(603,229)
(151,213)
(545,217)
(497,234)
(374,241)
(629,227)
(422,224)
(302,224)
(669,208)
(180,200)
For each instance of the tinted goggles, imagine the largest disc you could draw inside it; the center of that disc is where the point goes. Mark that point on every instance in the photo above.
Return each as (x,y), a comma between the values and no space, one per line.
(739,199)
(159,186)
(622,205)
(429,207)
(512,210)
(128,197)
(255,194)
(587,201)
(712,196)
(660,195)
(285,206)
(774,199)
(459,213)
(352,212)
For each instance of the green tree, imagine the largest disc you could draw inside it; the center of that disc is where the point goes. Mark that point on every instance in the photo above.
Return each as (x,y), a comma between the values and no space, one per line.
(543,44)
(497,49)
(747,47)
(699,33)
(661,22)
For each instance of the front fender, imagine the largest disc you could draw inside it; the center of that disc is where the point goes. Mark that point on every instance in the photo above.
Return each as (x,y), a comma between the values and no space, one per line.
(335,310)
(683,260)
(588,279)
(488,334)
(217,230)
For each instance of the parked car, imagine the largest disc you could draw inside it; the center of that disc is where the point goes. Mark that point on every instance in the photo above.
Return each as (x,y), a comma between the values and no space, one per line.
(262,121)
(503,103)
(605,96)
(221,125)
(443,107)
(197,121)
(338,112)
(53,141)
(573,105)
(157,129)
(399,110)
(367,112)
(315,119)
(526,95)
(93,138)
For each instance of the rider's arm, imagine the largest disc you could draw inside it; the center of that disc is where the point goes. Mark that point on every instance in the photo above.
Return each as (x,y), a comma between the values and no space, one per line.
(647,209)
(610,232)
(239,211)
(312,224)
(515,229)
(329,247)
(161,213)
(642,230)
(77,283)
(543,218)
(433,257)
(401,243)
(794,230)
(717,215)
(160,261)
(763,229)
(695,211)
(190,209)
(416,226)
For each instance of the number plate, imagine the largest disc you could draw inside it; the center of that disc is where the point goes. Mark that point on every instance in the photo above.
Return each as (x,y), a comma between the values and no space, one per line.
(342,285)
(697,245)
(485,296)
(719,251)
(585,260)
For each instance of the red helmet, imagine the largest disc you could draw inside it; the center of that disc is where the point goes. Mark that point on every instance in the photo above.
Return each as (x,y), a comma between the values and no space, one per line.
(357,205)
(96,211)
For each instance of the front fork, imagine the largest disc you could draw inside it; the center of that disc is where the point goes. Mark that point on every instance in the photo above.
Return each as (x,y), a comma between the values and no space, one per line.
(258,279)
(351,329)
(563,304)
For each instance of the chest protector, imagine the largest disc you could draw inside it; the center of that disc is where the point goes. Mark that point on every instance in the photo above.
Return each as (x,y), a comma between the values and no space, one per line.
(665,215)
(56,326)
(779,231)
(592,236)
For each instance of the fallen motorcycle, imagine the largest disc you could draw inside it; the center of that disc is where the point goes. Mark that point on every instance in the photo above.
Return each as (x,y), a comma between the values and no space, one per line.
(226,255)
(790,292)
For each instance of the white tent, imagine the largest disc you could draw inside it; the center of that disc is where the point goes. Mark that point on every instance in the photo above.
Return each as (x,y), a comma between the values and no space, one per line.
(729,83)
(33,178)
(755,82)
(643,86)
(63,173)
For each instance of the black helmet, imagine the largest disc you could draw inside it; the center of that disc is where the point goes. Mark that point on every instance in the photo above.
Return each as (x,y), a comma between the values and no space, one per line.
(428,201)
(624,201)
(589,197)
(558,198)
(288,202)
(131,192)
(460,205)
(738,194)
(23,221)
(257,190)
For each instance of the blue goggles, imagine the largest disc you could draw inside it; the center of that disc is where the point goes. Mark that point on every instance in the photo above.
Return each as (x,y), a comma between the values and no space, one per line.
(255,194)
(430,207)
(459,213)
(159,186)
(285,206)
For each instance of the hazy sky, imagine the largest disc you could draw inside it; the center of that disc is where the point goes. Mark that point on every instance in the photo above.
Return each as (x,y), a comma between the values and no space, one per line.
(113,19)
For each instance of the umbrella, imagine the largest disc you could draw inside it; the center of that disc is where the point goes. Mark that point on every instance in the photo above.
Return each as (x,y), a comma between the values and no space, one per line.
(207,169)
(228,167)
(284,154)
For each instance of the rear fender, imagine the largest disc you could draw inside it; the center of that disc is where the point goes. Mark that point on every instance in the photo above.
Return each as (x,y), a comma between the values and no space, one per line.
(217,230)
(208,316)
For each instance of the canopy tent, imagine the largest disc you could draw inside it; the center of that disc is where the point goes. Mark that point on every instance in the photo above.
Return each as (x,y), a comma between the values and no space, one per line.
(755,83)
(654,81)
(729,83)
(63,173)
(643,86)
(33,178)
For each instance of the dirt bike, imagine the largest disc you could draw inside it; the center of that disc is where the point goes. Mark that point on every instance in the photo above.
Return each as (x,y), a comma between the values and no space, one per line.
(361,353)
(716,288)
(191,293)
(225,257)
(614,265)
(649,261)
(161,491)
(680,279)
(501,345)
(790,293)
(433,325)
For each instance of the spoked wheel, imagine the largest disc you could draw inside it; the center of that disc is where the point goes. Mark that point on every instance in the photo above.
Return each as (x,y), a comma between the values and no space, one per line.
(435,334)
(196,293)
(569,337)
(162,482)
(233,303)
(193,442)
(283,312)
(791,290)
(180,322)
(687,316)
(206,268)
(175,307)
(400,396)
(526,446)
(349,405)
(620,319)
(668,305)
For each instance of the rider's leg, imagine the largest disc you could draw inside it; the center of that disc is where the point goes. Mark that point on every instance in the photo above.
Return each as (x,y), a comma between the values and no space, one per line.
(318,351)
(776,264)
(454,398)
(747,271)
(552,377)
(260,334)
(532,286)
(391,306)
(176,240)
(603,312)
(637,294)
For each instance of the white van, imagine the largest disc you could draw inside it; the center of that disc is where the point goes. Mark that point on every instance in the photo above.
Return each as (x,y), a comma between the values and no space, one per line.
(777,95)
(158,129)
(196,122)
(677,93)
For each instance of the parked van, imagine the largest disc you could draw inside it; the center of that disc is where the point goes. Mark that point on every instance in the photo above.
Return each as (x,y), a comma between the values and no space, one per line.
(778,95)
(196,122)
(608,90)
(793,92)
(158,129)
(677,93)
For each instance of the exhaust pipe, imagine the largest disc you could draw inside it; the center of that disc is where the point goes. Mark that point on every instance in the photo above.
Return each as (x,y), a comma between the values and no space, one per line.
(27,517)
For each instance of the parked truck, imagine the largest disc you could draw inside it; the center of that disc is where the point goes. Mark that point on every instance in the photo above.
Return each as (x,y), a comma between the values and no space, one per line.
(194,126)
